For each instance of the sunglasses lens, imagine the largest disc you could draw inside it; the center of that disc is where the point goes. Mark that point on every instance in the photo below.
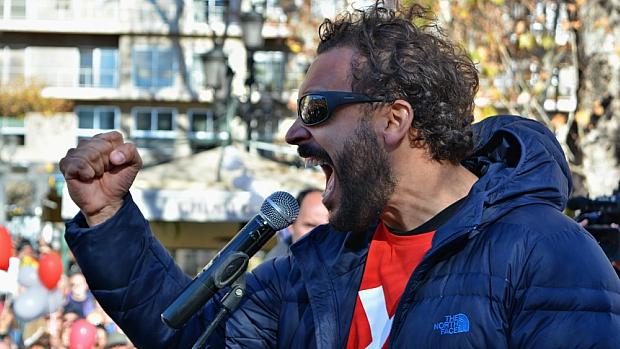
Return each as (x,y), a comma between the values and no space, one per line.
(313,109)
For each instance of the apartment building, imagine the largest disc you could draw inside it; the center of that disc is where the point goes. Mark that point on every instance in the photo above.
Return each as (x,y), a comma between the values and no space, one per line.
(135,66)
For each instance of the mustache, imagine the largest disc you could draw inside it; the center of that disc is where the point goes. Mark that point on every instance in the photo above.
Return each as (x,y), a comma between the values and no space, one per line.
(307,150)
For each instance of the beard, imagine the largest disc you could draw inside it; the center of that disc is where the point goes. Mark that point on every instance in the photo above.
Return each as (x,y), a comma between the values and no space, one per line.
(365,178)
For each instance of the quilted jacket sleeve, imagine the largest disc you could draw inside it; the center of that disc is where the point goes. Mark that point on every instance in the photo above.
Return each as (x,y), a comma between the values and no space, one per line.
(134,279)
(568,295)
(132,276)
(255,323)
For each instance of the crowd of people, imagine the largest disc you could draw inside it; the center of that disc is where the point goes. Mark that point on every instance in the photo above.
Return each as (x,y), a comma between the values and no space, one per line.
(78,322)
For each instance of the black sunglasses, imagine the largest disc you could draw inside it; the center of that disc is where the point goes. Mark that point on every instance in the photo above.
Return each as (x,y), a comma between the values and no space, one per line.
(316,107)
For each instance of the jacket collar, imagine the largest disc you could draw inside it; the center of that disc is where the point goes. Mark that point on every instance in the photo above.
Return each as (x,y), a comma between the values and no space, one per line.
(334,261)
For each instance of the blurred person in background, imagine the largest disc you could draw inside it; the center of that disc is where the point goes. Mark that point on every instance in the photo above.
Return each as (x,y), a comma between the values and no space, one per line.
(79,297)
(312,213)
(10,331)
(43,342)
(55,328)
(26,253)
(102,337)
(69,316)
(7,325)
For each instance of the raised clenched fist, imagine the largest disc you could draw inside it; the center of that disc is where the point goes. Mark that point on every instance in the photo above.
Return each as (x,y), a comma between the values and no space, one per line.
(99,173)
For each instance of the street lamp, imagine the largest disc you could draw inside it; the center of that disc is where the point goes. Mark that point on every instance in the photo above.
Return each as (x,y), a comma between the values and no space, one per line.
(216,62)
(215,66)
(252,29)
(218,74)
(252,34)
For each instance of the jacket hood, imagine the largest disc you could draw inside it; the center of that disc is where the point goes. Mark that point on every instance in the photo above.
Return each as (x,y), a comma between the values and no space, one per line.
(519,162)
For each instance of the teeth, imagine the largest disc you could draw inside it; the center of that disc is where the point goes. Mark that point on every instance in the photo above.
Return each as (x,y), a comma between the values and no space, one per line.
(312,162)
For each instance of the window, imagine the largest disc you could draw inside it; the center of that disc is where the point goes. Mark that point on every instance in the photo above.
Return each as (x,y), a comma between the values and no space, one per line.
(99,67)
(63,5)
(199,11)
(12,124)
(154,122)
(62,9)
(11,64)
(153,67)
(54,66)
(17,8)
(96,119)
(203,124)
(12,130)
(209,11)
(269,69)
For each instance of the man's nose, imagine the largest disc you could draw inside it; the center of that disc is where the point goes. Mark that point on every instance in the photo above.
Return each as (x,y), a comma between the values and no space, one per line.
(297,133)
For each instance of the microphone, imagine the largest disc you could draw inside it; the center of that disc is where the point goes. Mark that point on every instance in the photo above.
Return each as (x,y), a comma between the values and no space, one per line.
(277,212)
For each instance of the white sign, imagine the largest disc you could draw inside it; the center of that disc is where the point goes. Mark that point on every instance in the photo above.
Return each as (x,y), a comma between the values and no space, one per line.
(187,205)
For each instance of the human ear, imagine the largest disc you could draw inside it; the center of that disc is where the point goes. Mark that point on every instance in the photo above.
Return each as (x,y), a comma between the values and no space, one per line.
(397,124)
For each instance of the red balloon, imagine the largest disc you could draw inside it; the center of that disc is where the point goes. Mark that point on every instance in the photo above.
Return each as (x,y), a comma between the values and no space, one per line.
(6,248)
(83,335)
(50,269)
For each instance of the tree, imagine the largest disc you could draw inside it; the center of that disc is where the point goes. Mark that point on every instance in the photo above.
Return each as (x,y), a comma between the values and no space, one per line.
(20,97)
(554,61)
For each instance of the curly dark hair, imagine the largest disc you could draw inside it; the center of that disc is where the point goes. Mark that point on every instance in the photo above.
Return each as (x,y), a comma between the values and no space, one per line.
(404,55)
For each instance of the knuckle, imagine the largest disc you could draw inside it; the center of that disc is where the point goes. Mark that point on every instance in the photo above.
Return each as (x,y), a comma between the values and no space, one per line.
(92,156)
(81,165)
(131,147)
(111,135)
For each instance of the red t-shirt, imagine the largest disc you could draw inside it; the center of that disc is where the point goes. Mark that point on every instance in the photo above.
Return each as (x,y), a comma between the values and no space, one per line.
(391,260)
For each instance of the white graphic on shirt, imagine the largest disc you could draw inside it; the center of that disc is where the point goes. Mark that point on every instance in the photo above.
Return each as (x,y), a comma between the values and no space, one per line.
(375,307)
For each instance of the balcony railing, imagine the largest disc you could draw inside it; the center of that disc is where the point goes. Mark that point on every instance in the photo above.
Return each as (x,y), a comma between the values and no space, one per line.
(110,16)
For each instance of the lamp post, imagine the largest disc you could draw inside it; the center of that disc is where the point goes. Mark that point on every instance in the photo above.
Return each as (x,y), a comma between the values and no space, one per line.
(251,31)
(216,62)
(252,27)
(215,66)
(218,74)
(217,70)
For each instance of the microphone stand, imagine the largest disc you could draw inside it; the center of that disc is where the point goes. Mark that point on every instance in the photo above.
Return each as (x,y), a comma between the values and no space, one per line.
(231,300)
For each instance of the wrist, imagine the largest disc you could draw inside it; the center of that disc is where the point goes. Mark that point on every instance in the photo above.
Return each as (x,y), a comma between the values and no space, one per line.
(105,213)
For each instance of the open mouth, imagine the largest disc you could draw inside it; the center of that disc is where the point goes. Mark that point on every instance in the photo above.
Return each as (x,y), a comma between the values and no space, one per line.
(328,170)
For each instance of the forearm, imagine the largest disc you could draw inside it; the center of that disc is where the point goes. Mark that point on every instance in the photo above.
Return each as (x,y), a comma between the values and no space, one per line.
(129,272)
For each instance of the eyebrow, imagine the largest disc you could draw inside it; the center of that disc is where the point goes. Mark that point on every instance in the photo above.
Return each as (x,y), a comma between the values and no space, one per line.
(319,90)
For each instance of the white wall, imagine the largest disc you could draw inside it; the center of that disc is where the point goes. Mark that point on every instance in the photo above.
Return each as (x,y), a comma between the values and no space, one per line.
(47,138)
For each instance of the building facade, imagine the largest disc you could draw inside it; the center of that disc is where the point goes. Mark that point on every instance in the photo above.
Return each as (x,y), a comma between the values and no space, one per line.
(135,66)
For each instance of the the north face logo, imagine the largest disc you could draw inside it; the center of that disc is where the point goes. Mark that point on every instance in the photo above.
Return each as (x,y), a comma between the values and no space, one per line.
(452,324)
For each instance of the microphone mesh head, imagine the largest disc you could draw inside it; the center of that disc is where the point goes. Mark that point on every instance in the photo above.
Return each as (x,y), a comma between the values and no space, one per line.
(280,209)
